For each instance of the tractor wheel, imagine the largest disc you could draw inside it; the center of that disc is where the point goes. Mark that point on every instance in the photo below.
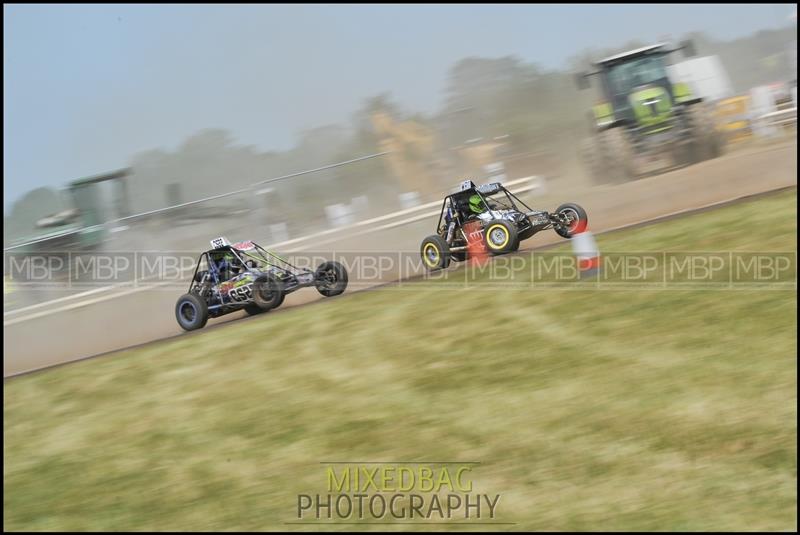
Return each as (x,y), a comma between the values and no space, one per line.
(706,142)
(682,153)
(617,153)
(718,141)
(590,155)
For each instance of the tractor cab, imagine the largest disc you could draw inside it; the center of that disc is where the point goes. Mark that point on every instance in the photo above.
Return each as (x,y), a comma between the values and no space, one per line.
(646,120)
(636,88)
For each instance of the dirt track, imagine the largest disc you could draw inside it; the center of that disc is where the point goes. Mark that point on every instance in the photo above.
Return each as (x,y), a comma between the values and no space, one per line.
(142,316)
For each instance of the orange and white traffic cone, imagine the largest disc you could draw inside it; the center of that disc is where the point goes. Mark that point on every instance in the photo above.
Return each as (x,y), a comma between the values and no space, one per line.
(585,249)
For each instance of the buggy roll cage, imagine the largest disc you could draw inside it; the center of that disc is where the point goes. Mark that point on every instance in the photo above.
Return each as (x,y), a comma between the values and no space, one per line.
(489,191)
(262,257)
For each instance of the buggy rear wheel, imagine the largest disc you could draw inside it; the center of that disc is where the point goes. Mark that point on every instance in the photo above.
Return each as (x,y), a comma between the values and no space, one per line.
(253,309)
(191,312)
(331,278)
(267,292)
(500,237)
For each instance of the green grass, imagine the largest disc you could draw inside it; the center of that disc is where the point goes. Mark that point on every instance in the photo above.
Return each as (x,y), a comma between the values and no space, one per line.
(589,409)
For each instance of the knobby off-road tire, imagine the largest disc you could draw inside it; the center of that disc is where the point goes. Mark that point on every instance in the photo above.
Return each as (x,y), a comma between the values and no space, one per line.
(191,311)
(331,278)
(267,292)
(592,161)
(707,142)
(435,253)
(619,155)
(579,220)
(253,309)
(500,237)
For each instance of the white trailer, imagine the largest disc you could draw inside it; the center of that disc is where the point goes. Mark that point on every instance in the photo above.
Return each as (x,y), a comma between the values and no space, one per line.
(705,75)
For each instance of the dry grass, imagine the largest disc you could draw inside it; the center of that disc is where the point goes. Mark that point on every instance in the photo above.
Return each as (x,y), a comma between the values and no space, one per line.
(588,409)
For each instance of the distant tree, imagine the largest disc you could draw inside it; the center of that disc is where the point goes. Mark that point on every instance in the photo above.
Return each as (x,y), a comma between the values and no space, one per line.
(25,212)
(209,142)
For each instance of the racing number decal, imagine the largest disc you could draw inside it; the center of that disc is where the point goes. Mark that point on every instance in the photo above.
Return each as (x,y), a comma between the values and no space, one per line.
(241,293)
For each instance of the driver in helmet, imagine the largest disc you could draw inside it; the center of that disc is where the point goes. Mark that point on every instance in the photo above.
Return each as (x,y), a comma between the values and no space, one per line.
(469,210)
(476,205)
(228,266)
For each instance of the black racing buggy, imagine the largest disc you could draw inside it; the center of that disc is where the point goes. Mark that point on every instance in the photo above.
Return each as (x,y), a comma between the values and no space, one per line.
(246,276)
(490,213)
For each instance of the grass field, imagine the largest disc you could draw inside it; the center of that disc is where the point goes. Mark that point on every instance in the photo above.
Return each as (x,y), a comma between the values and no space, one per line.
(588,409)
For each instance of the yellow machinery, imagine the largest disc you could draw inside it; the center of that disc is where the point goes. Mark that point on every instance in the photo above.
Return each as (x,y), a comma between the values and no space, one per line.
(417,159)
(733,117)
(411,152)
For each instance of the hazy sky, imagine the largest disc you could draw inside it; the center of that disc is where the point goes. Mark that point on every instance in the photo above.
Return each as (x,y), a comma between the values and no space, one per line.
(87,86)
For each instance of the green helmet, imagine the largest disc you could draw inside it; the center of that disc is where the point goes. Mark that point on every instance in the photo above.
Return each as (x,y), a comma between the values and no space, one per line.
(476,204)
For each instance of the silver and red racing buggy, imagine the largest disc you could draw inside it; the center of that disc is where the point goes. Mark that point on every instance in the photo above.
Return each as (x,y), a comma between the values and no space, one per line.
(493,215)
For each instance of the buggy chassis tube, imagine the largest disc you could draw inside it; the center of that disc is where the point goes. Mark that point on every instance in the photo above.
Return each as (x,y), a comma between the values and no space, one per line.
(553,218)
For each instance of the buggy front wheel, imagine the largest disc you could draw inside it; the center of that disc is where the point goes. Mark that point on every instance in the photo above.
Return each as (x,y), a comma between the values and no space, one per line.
(191,312)
(435,252)
(576,218)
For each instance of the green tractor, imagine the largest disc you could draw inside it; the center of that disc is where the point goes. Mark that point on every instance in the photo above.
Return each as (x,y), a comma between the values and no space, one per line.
(645,117)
